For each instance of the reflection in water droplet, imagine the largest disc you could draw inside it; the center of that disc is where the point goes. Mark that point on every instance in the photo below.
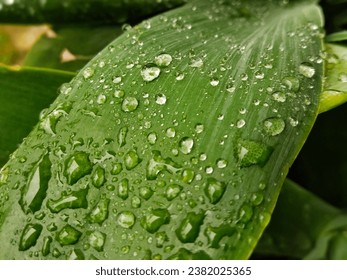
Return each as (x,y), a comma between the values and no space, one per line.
(152,138)
(126,219)
(189,228)
(29,237)
(274,126)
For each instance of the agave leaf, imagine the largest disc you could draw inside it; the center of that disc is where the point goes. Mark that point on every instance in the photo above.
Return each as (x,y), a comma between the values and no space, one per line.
(304,226)
(23,94)
(90,11)
(335,84)
(173,141)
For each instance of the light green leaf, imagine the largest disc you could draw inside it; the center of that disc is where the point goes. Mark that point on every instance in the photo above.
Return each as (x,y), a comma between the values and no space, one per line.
(181,133)
(23,94)
(335,84)
(336,37)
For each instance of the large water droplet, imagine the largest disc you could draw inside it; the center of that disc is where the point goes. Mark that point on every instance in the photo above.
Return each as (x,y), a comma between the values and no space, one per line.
(163,60)
(155,219)
(77,166)
(131,159)
(28,239)
(145,192)
(152,138)
(172,191)
(214,190)
(100,212)
(149,73)
(35,190)
(274,126)
(130,104)
(96,239)
(187,175)
(160,99)
(189,228)
(306,70)
(123,189)
(73,200)
(186,145)
(68,235)
(251,153)
(122,136)
(215,234)
(98,178)
(126,219)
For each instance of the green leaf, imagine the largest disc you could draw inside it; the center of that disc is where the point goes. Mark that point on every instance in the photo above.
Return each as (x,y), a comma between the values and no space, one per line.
(86,11)
(304,226)
(71,47)
(336,37)
(191,124)
(23,94)
(335,84)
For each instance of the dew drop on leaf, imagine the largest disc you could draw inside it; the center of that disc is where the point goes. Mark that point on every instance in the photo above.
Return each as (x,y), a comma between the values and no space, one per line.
(214,190)
(186,145)
(155,219)
(77,166)
(274,126)
(306,70)
(172,191)
(126,219)
(250,153)
(150,73)
(96,239)
(130,104)
(189,229)
(73,200)
(68,235)
(29,237)
(163,60)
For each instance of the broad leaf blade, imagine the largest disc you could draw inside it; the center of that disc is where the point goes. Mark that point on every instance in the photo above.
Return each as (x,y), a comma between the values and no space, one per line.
(188,128)
(23,94)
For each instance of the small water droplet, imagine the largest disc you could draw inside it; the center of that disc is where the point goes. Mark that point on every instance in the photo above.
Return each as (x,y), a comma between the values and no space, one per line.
(306,70)
(160,99)
(123,189)
(215,234)
(150,73)
(77,166)
(274,126)
(291,83)
(172,191)
(163,60)
(293,122)
(259,75)
(65,89)
(96,239)
(240,123)
(117,168)
(214,82)
(245,213)
(101,99)
(76,254)
(118,93)
(88,73)
(98,177)
(170,132)
(116,79)
(126,219)
(244,77)
(214,190)
(122,135)
(179,76)
(279,96)
(152,138)
(222,163)
(189,228)
(130,104)
(209,170)
(145,193)
(29,237)
(68,235)
(196,63)
(199,128)
(251,153)
(135,202)
(155,219)
(187,175)
(186,145)
(46,246)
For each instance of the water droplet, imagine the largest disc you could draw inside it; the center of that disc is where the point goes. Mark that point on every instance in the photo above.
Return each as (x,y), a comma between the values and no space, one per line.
(29,237)
(209,170)
(179,76)
(222,163)
(149,73)
(196,63)
(203,157)
(306,70)
(259,75)
(101,99)
(279,96)
(100,212)
(291,83)
(274,126)
(214,82)
(49,122)
(189,228)
(157,164)
(135,202)
(186,145)
(214,190)
(98,177)
(163,60)
(88,73)
(131,160)
(215,234)
(152,138)
(240,123)
(76,254)
(172,191)
(96,239)
(46,247)
(293,122)
(35,190)
(246,213)
(155,219)
(161,238)
(116,169)
(126,219)
(343,77)
(122,135)
(77,166)
(130,104)
(257,198)
(74,200)
(199,128)
(116,79)
(123,189)
(187,175)
(160,99)
(65,89)
(251,153)
(118,93)
(68,235)
(170,132)
(244,77)
(145,193)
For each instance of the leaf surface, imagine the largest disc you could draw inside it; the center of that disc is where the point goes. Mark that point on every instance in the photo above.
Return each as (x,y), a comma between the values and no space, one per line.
(180,133)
